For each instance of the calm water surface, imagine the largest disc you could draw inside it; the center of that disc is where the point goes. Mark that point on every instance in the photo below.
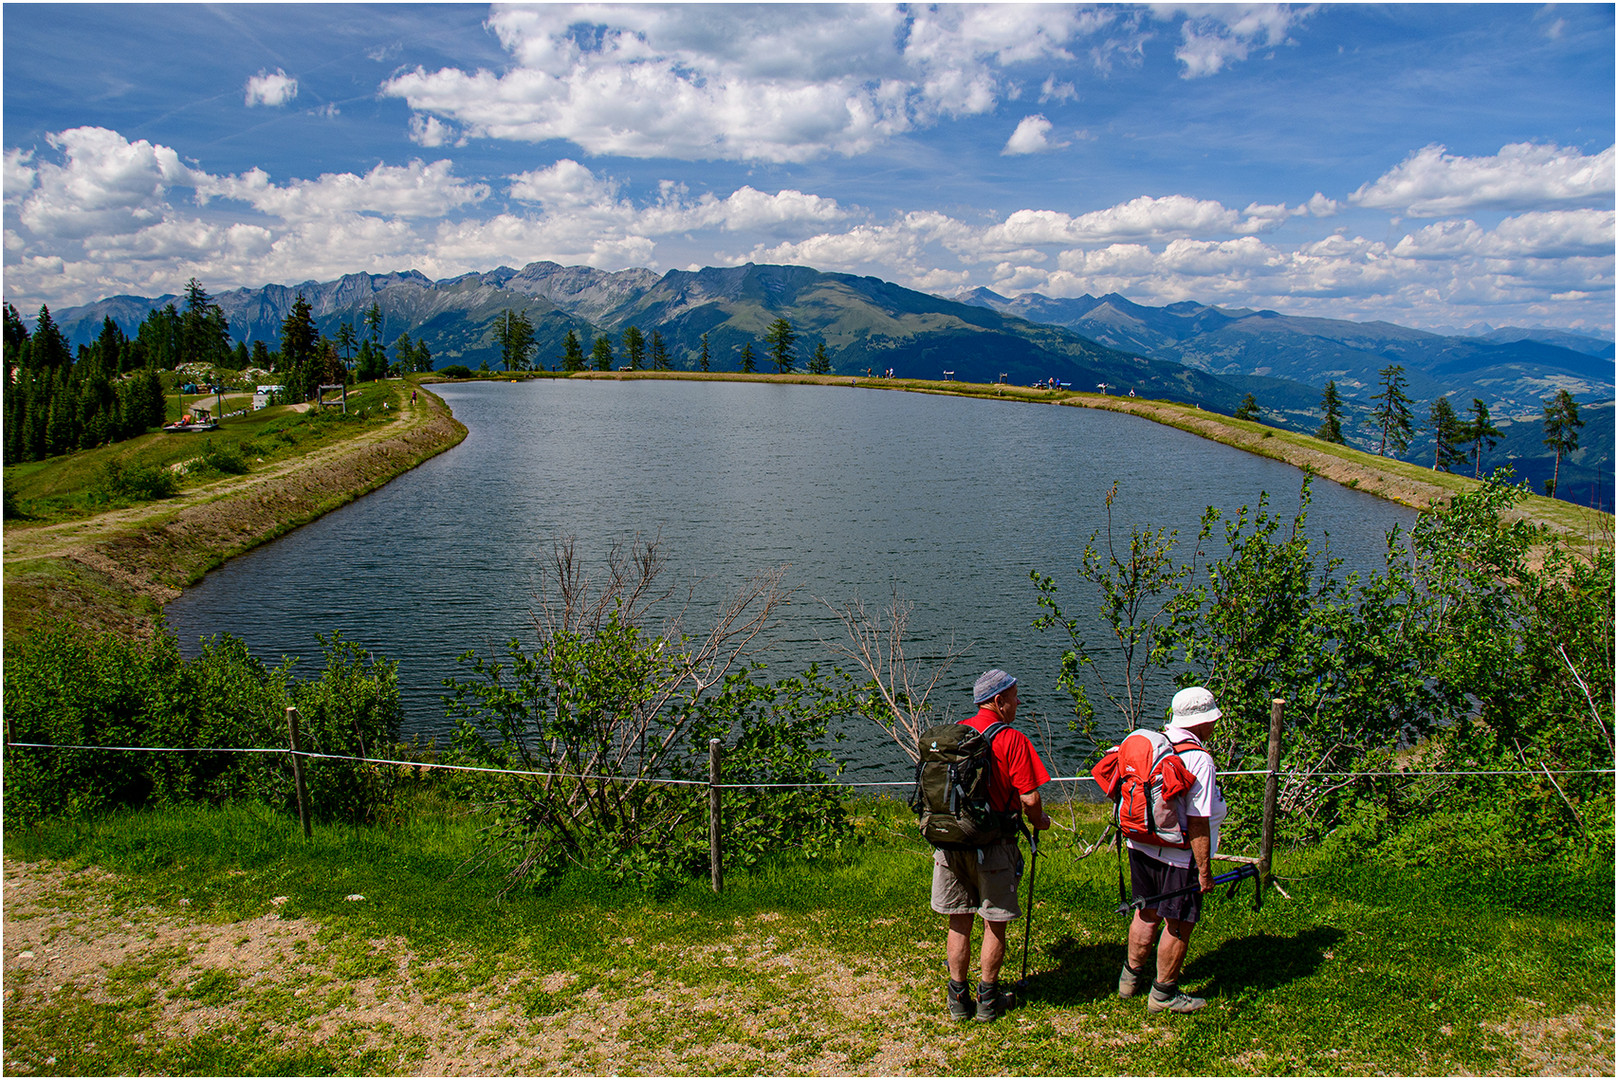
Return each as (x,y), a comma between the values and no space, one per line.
(862,492)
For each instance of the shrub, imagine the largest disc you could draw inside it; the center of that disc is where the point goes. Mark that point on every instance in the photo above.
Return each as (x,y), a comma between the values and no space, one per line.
(66,687)
(222,459)
(117,482)
(455,371)
(602,706)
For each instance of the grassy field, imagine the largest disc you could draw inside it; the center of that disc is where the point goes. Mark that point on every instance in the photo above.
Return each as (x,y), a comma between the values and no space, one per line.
(219,941)
(110,562)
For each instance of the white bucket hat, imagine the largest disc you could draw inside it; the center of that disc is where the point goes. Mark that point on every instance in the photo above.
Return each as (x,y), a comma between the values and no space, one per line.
(1192,706)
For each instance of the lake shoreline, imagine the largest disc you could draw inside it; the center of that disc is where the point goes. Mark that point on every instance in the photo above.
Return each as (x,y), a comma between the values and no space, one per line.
(115,571)
(119,577)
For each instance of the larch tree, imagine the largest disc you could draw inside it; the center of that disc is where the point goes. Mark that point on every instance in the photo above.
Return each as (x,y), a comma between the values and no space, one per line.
(1392,414)
(1562,426)
(1331,408)
(1480,433)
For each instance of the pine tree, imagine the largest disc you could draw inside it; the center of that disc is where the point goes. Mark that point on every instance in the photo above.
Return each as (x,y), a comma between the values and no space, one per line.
(1481,434)
(660,353)
(635,347)
(1248,409)
(601,353)
(702,358)
(572,352)
(1448,435)
(820,363)
(298,341)
(515,333)
(1392,414)
(1331,407)
(47,348)
(1562,426)
(781,338)
(747,358)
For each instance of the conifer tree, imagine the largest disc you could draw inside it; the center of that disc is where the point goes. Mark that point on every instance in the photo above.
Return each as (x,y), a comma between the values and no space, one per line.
(1248,409)
(1392,414)
(1562,426)
(820,363)
(702,357)
(1448,435)
(781,338)
(635,348)
(572,352)
(660,353)
(601,353)
(747,358)
(1331,407)
(1481,434)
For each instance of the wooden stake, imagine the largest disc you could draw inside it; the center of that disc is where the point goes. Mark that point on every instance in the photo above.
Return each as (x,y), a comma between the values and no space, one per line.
(1267,837)
(716,866)
(297,771)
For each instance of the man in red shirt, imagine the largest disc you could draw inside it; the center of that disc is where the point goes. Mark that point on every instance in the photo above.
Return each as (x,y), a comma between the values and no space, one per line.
(983,884)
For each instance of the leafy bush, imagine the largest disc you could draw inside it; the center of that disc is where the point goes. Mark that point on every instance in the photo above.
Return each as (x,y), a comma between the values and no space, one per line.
(66,687)
(1484,645)
(603,707)
(222,459)
(455,371)
(117,482)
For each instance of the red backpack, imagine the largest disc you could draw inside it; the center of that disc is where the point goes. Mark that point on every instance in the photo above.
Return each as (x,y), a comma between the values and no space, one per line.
(1144,777)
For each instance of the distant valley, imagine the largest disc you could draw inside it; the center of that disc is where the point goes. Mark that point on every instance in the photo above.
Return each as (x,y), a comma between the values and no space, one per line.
(1186,352)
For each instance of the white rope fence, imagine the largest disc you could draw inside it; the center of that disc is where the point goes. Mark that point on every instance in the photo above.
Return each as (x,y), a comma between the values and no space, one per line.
(540,774)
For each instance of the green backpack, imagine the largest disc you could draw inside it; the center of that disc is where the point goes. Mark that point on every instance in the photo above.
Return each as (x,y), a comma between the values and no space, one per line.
(952,789)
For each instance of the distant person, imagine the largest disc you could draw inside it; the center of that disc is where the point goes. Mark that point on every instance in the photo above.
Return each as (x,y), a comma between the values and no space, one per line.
(983,884)
(1155,870)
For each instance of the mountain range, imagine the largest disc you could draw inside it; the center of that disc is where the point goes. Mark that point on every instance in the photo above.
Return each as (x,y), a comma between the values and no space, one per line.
(1188,351)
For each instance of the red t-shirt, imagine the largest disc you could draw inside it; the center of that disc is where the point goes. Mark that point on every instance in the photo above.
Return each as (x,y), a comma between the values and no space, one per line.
(1018,770)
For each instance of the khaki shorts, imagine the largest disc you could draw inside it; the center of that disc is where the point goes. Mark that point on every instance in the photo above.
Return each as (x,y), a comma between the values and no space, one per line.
(964,886)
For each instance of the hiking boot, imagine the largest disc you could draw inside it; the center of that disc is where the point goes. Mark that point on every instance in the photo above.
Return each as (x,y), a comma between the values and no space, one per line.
(1131,982)
(1170,999)
(961,1006)
(992,1002)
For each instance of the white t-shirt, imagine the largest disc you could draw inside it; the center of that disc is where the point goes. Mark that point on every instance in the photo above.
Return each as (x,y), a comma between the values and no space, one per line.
(1203,800)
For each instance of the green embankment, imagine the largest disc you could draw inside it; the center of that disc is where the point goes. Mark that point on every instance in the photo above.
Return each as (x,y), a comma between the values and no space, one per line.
(84,555)
(196,941)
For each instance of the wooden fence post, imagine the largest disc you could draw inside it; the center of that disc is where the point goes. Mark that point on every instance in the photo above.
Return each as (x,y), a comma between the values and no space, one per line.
(297,770)
(716,866)
(1267,837)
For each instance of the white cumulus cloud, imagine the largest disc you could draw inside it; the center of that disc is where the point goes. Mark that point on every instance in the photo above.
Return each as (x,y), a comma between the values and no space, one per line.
(271,88)
(1217,35)
(1031,137)
(781,83)
(1523,176)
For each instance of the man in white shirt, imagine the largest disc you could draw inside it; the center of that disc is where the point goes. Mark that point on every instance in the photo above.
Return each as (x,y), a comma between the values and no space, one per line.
(1154,870)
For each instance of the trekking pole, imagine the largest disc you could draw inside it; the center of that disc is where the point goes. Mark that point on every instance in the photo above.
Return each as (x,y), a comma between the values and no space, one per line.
(1028,923)
(1246,870)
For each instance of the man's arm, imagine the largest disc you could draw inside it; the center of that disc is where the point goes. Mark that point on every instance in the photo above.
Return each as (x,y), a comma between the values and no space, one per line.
(1033,808)
(1198,832)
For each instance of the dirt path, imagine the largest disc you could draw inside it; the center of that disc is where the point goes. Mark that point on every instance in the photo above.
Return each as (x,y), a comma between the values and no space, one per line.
(117,567)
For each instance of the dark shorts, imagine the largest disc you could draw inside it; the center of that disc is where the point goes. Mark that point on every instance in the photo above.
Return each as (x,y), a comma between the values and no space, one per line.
(1148,877)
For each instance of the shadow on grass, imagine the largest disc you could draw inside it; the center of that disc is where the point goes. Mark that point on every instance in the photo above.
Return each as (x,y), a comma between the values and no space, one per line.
(1089,972)
(1262,961)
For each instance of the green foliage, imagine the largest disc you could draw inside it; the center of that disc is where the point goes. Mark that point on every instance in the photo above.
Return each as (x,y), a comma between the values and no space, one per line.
(66,687)
(117,482)
(1248,410)
(223,459)
(1138,590)
(780,338)
(455,371)
(603,705)
(1562,426)
(1463,652)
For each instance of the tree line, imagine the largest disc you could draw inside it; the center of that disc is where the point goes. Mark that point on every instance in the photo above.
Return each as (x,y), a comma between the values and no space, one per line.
(1457,441)
(56,402)
(514,332)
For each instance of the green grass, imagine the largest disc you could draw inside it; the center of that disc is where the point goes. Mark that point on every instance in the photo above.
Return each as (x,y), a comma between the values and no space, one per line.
(58,489)
(801,966)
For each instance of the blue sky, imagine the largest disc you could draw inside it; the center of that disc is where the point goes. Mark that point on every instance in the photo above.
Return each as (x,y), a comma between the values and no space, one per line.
(1428,165)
